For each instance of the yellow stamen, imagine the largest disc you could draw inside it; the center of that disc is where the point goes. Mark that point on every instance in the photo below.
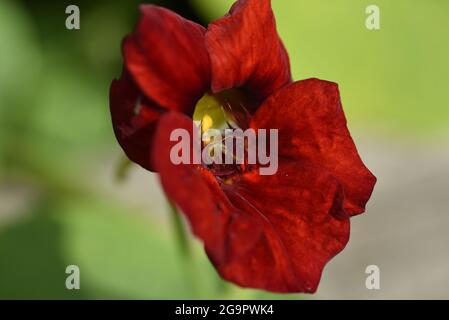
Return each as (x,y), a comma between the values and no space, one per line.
(206,123)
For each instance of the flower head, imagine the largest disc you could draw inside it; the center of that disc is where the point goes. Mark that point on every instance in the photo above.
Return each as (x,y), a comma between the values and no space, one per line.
(274,232)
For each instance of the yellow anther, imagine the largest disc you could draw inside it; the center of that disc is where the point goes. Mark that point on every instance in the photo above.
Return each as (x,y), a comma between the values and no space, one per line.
(206,123)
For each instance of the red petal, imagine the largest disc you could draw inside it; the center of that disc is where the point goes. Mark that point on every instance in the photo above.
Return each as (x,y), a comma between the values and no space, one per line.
(312,127)
(296,206)
(166,56)
(272,232)
(246,51)
(226,231)
(133,119)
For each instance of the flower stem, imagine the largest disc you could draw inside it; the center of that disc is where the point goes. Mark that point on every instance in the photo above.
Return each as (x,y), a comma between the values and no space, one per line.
(185,249)
(122,168)
(180,231)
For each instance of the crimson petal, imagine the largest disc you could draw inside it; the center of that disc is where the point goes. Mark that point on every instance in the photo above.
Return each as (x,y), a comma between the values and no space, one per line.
(246,51)
(167,57)
(297,208)
(312,127)
(250,238)
(133,119)
(226,231)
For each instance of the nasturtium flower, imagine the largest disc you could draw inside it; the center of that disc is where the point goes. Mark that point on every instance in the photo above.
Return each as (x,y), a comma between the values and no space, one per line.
(273,232)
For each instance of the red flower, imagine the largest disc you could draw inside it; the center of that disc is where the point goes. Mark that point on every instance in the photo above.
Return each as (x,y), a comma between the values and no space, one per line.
(272,232)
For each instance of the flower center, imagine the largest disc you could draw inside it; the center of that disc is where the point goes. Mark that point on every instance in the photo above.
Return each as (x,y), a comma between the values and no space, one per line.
(227,109)
(219,113)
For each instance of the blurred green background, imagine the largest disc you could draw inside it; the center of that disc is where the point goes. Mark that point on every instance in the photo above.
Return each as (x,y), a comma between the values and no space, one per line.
(60,202)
